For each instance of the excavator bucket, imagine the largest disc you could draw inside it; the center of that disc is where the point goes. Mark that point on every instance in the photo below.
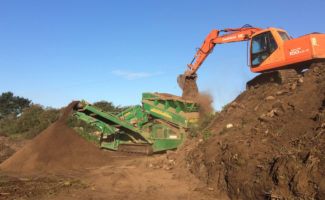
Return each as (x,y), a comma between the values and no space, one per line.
(182,79)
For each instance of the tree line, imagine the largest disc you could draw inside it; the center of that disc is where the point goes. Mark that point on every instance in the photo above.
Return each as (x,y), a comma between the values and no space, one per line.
(20,117)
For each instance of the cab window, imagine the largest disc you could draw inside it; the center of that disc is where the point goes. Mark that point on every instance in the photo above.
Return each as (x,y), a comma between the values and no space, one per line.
(263,45)
(259,44)
(284,35)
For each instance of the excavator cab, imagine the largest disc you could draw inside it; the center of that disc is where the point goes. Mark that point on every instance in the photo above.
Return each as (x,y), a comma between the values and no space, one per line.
(280,58)
(273,49)
(263,45)
(266,48)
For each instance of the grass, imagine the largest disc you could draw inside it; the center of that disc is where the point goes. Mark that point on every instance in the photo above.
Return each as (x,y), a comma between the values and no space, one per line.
(206,133)
(279,130)
(91,138)
(84,129)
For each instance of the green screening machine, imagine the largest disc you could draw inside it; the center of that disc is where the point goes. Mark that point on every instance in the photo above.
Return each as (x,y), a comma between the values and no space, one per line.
(159,124)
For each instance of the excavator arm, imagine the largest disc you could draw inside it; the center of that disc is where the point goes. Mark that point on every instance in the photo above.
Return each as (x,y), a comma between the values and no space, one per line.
(187,81)
(214,37)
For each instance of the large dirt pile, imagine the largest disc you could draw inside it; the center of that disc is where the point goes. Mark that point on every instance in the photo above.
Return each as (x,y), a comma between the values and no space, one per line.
(269,143)
(56,148)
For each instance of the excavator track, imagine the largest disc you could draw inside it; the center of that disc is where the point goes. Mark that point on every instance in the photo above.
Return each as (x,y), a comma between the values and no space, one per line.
(136,148)
(317,64)
(280,76)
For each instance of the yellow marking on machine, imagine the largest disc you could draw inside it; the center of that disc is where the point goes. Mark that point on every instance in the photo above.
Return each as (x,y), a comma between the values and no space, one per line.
(126,114)
(193,120)
(161,112)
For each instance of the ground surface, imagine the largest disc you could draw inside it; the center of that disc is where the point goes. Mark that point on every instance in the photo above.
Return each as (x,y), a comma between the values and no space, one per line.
(269,143)
(131,177)
(127,176)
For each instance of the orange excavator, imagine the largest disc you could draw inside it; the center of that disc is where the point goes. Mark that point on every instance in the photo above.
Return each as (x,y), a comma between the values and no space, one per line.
(272,52)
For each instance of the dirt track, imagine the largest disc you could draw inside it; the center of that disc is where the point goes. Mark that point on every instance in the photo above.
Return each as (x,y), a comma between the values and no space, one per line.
(125,176)
(130,177)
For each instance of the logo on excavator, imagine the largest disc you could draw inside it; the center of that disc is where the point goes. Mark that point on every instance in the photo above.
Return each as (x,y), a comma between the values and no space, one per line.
(233,37)
(297,51)
(229,38)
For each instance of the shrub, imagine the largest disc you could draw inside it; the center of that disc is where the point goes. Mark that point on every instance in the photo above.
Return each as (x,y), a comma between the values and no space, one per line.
(201,128)
(33,120)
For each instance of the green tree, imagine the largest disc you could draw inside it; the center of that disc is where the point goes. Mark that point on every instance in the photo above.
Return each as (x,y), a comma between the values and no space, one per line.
(12,105)
(33,120)
(108,106)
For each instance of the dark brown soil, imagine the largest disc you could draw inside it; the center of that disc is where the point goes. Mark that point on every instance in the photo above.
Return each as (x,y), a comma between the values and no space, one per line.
(269,143)
(36,187)
(56,148)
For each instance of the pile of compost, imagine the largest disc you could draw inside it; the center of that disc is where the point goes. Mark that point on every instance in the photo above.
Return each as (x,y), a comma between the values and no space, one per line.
(57,148)
(269,143)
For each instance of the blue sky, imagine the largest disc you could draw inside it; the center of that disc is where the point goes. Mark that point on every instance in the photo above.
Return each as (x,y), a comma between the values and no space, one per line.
(56,51)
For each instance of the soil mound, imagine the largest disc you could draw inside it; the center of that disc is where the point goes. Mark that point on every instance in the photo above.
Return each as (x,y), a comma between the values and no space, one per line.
(269,143)
(57,148)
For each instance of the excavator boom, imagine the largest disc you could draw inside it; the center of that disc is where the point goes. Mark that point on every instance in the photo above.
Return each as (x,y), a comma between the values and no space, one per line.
(187,81)
(214,37)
